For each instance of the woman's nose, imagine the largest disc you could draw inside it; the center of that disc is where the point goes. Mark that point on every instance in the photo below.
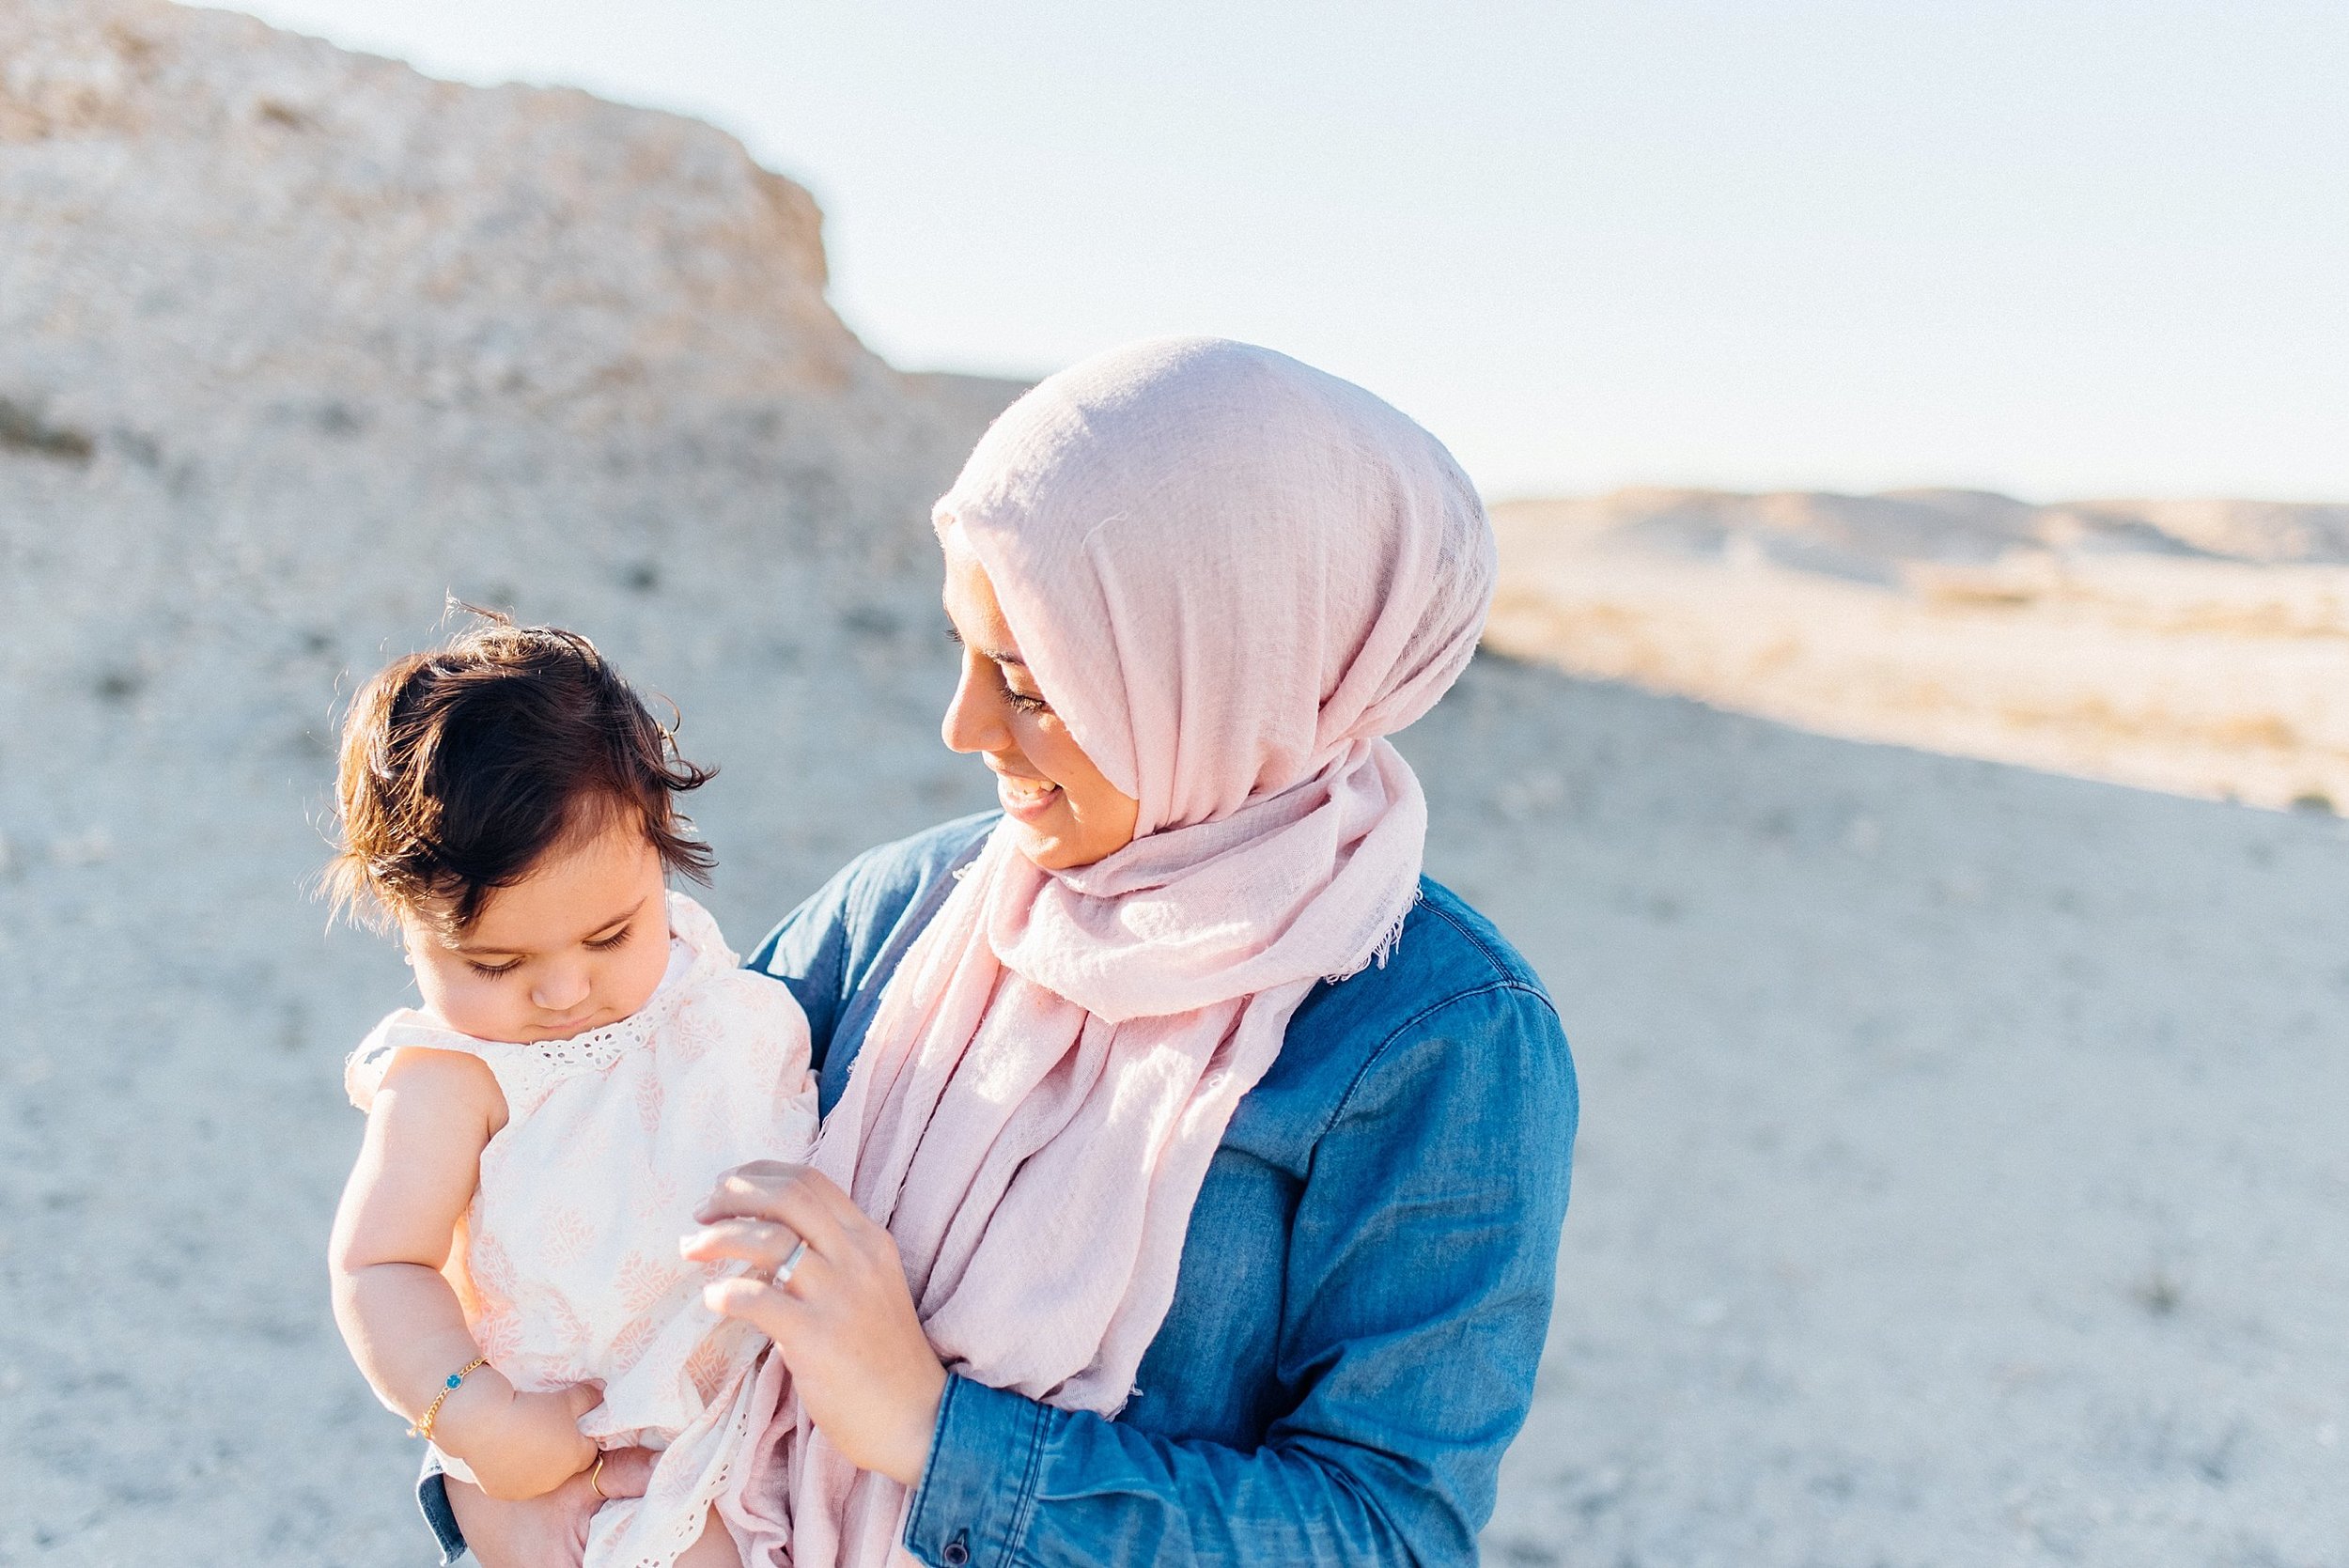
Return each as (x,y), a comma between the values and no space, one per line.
(974,717)
(561,990)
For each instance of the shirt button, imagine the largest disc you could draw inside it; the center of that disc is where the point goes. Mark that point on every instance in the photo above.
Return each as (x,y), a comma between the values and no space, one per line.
(958,1551)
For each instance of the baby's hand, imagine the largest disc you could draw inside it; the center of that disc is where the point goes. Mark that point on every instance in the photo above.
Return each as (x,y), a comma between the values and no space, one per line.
(529,1446)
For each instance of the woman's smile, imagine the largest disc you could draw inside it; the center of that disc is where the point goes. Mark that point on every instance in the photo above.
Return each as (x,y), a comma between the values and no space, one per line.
(1025,798)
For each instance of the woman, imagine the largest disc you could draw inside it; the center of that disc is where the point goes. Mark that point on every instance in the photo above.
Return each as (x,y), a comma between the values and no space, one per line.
(1193,1169)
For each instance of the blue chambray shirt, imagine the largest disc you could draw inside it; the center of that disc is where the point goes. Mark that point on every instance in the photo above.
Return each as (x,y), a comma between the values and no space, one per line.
(1365,1284)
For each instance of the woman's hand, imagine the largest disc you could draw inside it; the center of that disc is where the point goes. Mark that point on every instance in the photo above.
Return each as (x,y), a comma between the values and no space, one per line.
(843,1322)
(548,1531)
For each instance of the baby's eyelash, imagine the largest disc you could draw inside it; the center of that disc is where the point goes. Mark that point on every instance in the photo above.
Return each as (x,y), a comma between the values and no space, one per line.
(605,944)
(490,971)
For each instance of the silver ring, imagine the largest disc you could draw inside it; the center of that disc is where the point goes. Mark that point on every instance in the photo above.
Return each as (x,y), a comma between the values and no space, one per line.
(789,1266)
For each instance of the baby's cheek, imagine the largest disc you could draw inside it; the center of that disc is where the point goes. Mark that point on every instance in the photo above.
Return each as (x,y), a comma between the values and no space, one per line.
(471,1007)
(640,976)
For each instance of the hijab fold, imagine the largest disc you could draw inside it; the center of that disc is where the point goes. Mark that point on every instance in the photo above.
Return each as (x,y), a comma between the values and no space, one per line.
(1232,576)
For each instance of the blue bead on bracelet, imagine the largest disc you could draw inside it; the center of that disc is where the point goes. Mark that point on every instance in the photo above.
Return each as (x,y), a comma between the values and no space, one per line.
(424,1422)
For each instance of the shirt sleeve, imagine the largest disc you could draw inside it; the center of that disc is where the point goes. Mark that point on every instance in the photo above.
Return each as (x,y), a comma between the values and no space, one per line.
(808,951)
(1421,1272)
(432,1496)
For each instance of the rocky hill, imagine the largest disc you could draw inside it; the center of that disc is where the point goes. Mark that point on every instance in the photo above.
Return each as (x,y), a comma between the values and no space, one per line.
(301,325)
(294,342)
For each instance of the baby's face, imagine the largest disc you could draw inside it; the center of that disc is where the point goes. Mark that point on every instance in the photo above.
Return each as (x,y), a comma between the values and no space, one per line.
(580,943)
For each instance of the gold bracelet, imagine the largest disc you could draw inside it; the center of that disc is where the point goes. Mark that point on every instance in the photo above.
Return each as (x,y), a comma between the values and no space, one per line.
(432,1412)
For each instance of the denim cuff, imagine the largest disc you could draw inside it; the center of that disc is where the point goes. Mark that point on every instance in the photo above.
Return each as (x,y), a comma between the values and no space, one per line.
(432,1496)
(978,1488)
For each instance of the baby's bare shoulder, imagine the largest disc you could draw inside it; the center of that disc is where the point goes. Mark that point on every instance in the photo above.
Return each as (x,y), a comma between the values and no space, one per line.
(422,1079)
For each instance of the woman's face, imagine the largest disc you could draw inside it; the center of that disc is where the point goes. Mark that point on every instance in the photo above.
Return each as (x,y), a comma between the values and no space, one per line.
(1065,812)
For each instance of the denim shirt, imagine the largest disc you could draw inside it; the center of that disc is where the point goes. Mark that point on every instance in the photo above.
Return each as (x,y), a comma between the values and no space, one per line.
(1365,1284)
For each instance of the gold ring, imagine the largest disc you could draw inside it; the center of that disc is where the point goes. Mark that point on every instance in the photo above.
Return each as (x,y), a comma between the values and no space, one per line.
(595,1479)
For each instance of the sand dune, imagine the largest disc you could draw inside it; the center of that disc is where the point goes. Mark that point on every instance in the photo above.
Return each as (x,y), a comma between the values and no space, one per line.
(2200,647)
(1960,1181)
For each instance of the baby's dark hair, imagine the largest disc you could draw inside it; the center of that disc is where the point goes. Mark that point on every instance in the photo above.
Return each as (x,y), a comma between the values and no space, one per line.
(463,766)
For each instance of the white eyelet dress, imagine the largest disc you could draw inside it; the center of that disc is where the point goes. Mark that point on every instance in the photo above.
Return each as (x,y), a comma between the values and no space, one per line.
(567,1264)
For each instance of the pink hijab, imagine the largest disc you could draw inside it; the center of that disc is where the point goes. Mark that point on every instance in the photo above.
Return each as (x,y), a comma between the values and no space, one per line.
(1232,575)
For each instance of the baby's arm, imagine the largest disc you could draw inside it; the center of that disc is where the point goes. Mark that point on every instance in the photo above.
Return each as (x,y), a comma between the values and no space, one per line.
(429,1121)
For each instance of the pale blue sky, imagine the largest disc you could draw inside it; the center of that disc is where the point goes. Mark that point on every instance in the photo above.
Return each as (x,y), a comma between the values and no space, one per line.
(2057,248)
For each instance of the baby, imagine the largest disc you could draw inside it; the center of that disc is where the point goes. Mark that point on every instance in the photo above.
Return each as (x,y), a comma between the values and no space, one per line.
(588,1059)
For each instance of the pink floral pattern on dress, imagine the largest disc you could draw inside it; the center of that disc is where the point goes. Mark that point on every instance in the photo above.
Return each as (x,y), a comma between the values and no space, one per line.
(492,1270)
(629,1344)
(564,1236)
(499,1332)
(707,1370)
(643,1284)
(570,1249)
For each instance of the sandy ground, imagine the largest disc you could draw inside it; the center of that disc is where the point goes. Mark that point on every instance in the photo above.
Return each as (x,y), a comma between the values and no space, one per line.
(1961,1180)
(1961,1174)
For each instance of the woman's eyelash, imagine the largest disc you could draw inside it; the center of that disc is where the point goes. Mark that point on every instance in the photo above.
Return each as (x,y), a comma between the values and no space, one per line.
(1021,701)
